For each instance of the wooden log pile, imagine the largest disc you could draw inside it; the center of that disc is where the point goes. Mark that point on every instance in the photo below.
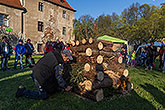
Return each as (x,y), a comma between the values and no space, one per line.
(102,67)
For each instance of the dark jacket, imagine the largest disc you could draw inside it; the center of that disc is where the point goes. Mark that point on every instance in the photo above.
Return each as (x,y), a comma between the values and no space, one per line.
(29,48)
(48,72)
(2,49)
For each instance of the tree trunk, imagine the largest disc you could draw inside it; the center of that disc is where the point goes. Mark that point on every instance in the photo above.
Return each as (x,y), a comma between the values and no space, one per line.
(84,41)
(100,76)
(77,43)
(90,40)
(100,59)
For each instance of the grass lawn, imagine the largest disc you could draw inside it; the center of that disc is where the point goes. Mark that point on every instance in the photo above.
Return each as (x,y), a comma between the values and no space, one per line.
(149,93)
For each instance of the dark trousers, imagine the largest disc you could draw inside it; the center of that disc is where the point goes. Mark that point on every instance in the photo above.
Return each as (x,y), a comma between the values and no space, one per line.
(40,93)
(28,56)
(4,63)
(161,63)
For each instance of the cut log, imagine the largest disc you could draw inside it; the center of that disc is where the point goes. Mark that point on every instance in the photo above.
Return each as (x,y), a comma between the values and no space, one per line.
(90,40)
(120,60)
(73,43)
(89,52)
(88,67)
(84,41)
(99,94)
(107,54)
(105,66)
(100,75)
(116,47)
(82,48)
(77,43)
(88,85)
(100,45)
(125,73)
(106,43)
(100,59)
(103,84)
(96,95)
(107,49)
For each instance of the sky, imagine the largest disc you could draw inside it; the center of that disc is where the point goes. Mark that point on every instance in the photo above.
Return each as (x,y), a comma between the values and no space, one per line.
(98,7)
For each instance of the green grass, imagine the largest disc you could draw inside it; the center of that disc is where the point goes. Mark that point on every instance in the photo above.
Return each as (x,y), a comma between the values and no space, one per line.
(149,93)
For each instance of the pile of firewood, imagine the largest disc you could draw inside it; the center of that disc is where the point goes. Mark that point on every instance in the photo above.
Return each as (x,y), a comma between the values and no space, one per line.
(102,67)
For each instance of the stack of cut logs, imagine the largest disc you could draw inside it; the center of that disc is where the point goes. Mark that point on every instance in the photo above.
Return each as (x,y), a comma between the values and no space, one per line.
(102,67)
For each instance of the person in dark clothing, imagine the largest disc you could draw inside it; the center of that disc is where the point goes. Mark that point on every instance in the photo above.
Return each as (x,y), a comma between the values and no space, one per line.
(150,57)
(161,51)
(29,51)
(48,76)
(6,51)
(58,46)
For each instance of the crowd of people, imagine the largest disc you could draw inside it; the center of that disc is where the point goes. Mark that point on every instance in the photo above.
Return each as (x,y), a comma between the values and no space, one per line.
(146,58)
(52,72)
(6,51)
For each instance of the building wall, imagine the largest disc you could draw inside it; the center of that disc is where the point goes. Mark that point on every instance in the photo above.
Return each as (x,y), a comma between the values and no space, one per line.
(52,19)
(14,17)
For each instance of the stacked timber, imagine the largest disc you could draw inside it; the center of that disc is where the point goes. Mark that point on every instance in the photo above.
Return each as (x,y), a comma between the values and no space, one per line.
(102,67)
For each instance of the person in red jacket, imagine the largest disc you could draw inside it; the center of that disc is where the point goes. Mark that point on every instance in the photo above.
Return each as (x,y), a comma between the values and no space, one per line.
(48,47)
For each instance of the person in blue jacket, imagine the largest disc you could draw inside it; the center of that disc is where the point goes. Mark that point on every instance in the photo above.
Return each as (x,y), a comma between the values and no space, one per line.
(6,51)
(19,52)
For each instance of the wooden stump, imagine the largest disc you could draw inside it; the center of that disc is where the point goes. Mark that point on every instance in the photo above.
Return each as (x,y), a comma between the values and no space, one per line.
(90,40)
(126,72)
(100,59)
(120,60)
(100,45)
(100,75)
(84,41)
(89,52)
(87,67)
(77,43)
(73,44)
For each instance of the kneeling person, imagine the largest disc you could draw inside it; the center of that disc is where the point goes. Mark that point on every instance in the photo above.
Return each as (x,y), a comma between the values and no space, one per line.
(48,76)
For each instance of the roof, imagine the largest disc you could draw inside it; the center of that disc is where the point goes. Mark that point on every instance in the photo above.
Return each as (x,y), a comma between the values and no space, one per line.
(12,3)
(64,4)
(113,39)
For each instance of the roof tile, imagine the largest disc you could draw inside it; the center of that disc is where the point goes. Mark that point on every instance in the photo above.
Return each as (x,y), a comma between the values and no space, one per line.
(13,3)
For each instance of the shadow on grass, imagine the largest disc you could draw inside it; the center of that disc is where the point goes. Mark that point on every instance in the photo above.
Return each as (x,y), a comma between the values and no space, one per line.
(157,94)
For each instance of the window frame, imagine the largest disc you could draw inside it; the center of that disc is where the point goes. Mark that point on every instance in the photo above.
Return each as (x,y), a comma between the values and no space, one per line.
(64,31)
(40,26)
(40,6)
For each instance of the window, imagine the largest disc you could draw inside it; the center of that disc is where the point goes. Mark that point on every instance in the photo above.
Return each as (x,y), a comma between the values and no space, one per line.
(64,31)
(40,6)
(39,48)
(40,26)
(4,21)
(64,14)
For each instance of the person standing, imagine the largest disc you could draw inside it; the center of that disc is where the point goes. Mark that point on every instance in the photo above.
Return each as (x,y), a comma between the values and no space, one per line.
(19,52)
(29,51)
(133,58)
(161,51)
(5,50)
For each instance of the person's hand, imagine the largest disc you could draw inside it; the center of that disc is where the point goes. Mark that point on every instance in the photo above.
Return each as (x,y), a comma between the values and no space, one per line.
(68,88)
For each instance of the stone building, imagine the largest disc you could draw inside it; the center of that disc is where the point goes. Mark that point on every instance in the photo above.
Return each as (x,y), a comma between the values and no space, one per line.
(10,15)
(42,20)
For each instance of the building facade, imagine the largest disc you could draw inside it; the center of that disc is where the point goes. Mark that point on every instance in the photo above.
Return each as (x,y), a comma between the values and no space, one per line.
(43,20)
(10,15)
